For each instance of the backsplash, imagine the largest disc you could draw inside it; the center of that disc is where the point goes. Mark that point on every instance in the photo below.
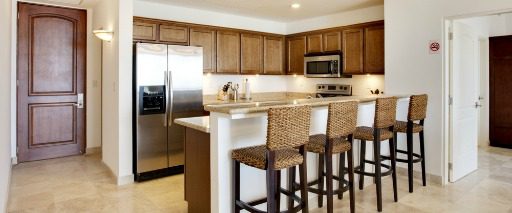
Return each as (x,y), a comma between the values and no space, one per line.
(362,84)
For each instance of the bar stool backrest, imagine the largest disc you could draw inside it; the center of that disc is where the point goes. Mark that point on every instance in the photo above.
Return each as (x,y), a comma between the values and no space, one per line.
(288,127)
(417,107)
(342,119)
(385,112)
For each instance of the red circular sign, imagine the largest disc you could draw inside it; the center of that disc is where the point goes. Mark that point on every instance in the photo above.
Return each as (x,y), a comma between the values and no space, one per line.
(434,46)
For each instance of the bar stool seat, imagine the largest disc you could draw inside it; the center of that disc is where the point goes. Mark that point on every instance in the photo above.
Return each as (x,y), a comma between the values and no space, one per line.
(366,133)
(255,156)
(401,126)
(317,144)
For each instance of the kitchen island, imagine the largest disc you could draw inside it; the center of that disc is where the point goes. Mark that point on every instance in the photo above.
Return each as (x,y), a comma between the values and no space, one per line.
(237,125)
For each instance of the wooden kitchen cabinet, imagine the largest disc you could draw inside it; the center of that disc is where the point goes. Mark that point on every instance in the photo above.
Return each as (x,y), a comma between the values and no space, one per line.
(295,50)
(353,48)
(374,50)
(251,59)
(314,43)
(273,55)
(144,31)
(228,52)
(204,37)
(332,41)
(174,34)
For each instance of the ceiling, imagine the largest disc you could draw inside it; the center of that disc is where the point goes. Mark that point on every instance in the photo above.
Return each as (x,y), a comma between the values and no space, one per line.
(277,10)
(69,3)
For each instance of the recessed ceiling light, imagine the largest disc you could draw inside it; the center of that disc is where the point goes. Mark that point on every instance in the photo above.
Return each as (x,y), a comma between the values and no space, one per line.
(295,5)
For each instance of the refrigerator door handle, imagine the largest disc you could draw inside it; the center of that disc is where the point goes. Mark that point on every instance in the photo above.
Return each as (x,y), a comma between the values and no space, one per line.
(166,85)
(171,100)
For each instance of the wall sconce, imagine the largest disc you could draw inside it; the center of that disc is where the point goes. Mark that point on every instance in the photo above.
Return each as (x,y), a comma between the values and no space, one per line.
(105,35)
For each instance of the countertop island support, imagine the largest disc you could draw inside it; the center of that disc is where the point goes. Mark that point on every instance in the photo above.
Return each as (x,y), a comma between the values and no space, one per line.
(232,131)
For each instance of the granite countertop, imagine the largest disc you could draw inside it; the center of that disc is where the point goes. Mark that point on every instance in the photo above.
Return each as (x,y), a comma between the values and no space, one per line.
(198,123)
(255,107)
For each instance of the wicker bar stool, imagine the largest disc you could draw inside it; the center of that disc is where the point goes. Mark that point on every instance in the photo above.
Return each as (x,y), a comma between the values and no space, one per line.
(383,129)
(288,128)
(341,125)
(417,112)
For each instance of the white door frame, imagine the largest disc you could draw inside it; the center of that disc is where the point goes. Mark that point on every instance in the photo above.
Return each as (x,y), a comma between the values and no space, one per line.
(446,131)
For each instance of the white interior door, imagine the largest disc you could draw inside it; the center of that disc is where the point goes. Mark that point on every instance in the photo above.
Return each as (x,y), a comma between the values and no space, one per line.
(464,89)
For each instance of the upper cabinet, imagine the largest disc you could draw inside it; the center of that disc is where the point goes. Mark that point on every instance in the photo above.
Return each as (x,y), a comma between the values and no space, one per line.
(204,37)
(374,50)
(228,52)
(332,41)
(273,55)
(175,34)
(315,43)
(144,31)
(295,50)
(353,44)
(234,51)
(251,53)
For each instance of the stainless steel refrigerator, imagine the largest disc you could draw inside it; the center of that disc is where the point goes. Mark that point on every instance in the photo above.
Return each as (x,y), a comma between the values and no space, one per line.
(168,82)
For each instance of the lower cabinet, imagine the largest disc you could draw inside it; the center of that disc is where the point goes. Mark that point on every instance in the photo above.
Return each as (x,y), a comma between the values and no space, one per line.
(197,170)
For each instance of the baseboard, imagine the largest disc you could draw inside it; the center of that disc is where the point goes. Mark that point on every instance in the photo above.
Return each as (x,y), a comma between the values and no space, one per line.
(93,150)
(436,179)
(127,179)
(14,160)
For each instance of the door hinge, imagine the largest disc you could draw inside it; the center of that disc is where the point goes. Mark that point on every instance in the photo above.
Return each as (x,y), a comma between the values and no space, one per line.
(450,36)
(450,100)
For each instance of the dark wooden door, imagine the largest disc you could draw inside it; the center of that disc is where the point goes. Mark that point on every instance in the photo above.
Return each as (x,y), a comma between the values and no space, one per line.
(501,91)
(51,75)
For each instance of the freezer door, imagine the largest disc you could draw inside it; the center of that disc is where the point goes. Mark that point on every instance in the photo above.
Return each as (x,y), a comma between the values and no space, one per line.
(185,65)
(151,72)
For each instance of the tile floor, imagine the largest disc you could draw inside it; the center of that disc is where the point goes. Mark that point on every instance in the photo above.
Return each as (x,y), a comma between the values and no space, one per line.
(82,184)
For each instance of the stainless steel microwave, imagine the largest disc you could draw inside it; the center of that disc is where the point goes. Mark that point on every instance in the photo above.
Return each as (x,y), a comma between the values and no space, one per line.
(326,65)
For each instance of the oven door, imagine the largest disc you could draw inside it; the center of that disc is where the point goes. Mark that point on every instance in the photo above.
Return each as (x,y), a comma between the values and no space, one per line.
(322,66)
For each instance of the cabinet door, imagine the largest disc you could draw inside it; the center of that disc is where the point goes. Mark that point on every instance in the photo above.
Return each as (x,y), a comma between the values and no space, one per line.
(296,48)
(252,53)
(144,31)
(374,50)
(205,38)
(273,53)
(228,52)
(353,51)
(332,41)
(174,34)
(315,43)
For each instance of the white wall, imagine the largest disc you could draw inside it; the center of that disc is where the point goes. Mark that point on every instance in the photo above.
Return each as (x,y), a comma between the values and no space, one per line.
(5,100)
(375,13)
(483,134)
(117,15)
(93,86)
(410,25)
(197,16)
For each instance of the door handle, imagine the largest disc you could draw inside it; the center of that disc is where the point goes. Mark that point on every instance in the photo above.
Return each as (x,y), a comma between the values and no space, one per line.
(171,96)
(79,101)
(166,88)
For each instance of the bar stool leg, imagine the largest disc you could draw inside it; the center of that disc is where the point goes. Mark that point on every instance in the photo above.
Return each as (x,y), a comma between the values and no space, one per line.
(271,194)
(422,150)
(376,154)
(329,189)
(392,155)
(351,181)
(321,180)
(341,175)
(291,186)
(236,186)
(410,149)
(278,190)
(304,182)
(362,164)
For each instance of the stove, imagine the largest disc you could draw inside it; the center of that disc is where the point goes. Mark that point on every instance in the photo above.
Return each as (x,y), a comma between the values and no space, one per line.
(333,90)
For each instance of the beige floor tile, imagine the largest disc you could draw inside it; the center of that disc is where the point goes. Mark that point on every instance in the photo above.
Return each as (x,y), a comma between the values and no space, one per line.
(84,184)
